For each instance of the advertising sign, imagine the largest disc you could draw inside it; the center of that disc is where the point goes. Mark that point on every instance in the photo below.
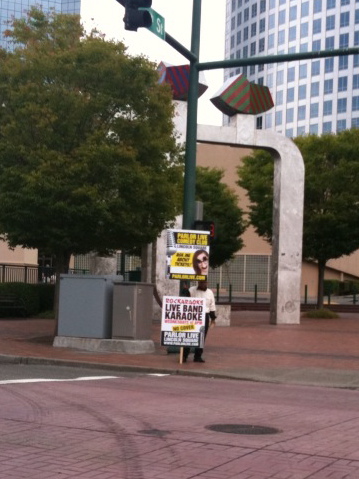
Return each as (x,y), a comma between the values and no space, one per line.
(187,255)
(183,321)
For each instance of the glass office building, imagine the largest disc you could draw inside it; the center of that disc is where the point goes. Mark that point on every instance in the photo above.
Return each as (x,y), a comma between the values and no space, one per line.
(311,96)
(10,9)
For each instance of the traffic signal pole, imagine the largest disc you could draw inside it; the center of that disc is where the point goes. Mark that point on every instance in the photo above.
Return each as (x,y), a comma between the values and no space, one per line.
(189,193)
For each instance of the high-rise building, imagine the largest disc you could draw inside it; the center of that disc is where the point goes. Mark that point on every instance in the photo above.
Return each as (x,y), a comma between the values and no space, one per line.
(310,96)
(10,9)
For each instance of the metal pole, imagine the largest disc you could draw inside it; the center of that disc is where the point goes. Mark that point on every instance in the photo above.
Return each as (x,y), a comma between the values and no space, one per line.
(189,196)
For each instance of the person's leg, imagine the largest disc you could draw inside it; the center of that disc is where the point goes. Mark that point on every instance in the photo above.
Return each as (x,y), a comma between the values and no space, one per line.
(186,352)
(199,351)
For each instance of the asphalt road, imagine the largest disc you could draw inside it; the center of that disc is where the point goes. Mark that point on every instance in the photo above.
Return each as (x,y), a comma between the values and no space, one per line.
(139,426)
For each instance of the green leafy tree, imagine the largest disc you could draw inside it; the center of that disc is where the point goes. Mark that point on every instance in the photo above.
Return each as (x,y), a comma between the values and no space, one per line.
(88,157)
(331,213)
(220,205)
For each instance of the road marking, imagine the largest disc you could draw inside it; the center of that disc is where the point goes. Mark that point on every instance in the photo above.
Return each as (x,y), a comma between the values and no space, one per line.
(43,380)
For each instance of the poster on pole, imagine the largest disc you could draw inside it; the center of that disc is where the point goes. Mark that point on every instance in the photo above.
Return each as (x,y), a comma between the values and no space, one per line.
(183,321)
(187,255)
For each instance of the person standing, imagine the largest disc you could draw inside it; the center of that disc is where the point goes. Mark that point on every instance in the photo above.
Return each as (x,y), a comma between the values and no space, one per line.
(202,291)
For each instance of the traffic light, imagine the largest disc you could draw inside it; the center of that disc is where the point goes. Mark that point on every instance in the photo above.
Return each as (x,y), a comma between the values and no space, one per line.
(206,226)
(135,17)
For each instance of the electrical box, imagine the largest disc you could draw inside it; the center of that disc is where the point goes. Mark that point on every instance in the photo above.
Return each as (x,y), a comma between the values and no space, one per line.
(132,310)
(85,305)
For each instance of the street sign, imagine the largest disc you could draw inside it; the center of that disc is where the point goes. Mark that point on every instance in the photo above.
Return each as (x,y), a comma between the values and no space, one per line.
(158,24)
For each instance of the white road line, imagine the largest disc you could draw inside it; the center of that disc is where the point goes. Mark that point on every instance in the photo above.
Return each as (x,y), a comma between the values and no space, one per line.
(43,380)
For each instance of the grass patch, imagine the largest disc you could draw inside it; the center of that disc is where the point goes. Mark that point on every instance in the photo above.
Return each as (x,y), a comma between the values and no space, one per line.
(323,313)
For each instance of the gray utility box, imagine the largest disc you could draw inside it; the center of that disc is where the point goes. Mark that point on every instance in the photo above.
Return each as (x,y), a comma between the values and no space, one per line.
(85,305)
(132,310)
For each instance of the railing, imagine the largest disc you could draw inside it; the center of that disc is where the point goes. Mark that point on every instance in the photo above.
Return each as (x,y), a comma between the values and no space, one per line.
(12,273)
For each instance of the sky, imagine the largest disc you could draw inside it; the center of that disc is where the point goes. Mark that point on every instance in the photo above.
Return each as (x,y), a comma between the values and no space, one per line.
(108,18)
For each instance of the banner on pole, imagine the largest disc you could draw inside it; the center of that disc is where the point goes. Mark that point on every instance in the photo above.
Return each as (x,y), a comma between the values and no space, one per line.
(187,255)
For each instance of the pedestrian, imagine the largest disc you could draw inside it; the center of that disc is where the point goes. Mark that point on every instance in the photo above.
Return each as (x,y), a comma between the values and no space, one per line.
(202,291)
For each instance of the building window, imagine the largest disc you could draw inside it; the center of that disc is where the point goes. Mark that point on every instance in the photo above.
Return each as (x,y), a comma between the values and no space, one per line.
(329,65)
(303,71)
(303,47)
(305,9)
(279,98)
(278,118)
(342,105)
(239,19)
(302,92)
(261,45)
(344,40)
(281,37)
(268,120)
(239,37)
(317,26)
(314,89)
(254,10)
(327,107)
(343,63)
(280,77)
(327,127)
(271,40)
(290,74)
(329,43)
(316,45)
(355,122)
(342,83)
(245,34)
(293,13)
(341,125)
(315,68)
(289,132)
(271,21)
(344,19)
(301,112)
(292,34)
(300,131)
(253,29)
(356,60)
(344,2)
(281,17)
(355,103)
(317,7)
(330,4)
(246,14)
(290,115)
(330,22)
(262,25)
(290,95)
(328,86)
(262,6)
(355,82)
(304,30)
(314,110)
(253,49)
(313,129)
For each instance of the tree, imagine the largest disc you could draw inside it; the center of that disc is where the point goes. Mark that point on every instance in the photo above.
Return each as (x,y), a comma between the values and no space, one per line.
(331,213)
(88,157)
(220,205)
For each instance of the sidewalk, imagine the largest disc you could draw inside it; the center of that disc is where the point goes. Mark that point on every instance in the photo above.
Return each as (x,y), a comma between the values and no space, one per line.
(322,352)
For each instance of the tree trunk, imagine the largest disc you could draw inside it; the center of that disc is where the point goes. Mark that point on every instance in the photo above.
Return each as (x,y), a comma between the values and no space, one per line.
(61,263)
(320,298)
